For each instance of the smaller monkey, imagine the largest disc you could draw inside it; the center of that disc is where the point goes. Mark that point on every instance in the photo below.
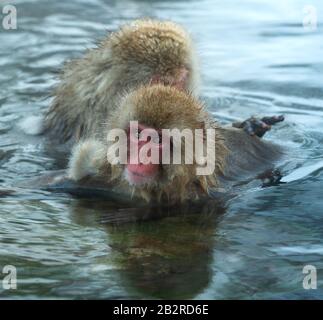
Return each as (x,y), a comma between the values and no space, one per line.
(235,154)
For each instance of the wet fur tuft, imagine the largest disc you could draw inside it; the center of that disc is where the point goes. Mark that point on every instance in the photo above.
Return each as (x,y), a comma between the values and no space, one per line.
(86,159)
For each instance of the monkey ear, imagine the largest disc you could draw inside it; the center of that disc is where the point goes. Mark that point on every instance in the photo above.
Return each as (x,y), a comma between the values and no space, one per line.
(86,159)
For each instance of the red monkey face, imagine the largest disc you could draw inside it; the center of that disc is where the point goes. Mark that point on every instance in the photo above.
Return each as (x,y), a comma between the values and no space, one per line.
(148,116)
(158,112)
(137,172)
(144,155)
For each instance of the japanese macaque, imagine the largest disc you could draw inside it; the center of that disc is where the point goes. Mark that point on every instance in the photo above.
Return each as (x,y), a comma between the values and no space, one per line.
(230,153)
(141,53)
(147,72)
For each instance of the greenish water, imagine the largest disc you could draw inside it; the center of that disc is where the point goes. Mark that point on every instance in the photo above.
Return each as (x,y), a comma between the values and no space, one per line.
(257,59)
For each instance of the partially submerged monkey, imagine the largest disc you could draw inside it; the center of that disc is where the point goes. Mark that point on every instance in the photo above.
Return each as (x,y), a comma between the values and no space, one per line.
(236,155)
(141,53)
(155,63)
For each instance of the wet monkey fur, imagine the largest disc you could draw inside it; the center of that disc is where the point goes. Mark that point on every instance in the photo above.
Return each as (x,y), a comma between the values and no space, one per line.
(140,53)
(146,71)
(235,153)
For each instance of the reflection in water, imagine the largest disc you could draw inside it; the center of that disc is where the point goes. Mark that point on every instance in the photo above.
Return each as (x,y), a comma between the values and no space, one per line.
(159,252)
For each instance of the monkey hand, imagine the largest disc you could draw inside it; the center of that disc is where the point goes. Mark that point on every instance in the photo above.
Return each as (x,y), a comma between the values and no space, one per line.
(258,127)
(86,158)
(271,178)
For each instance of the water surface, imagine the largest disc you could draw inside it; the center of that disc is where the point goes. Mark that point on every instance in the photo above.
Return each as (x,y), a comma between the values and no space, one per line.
(257,59)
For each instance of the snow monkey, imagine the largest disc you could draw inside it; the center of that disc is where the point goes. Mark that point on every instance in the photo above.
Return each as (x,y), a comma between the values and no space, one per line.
(234,154)
(140,53)
(147,72)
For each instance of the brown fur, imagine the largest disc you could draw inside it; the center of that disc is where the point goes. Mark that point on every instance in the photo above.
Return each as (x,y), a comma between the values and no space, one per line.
(90,86)
(160,107)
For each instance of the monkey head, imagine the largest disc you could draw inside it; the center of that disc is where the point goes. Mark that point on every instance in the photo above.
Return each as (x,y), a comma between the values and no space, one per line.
(151,52)
(161,115)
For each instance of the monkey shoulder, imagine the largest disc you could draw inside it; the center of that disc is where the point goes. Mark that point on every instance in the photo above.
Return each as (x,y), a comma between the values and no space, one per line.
(248,154)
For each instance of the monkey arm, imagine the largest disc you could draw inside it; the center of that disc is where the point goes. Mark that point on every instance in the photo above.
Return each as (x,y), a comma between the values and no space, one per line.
(86,159)
(248,156)
(82,177)
(87,187)
(258,127)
